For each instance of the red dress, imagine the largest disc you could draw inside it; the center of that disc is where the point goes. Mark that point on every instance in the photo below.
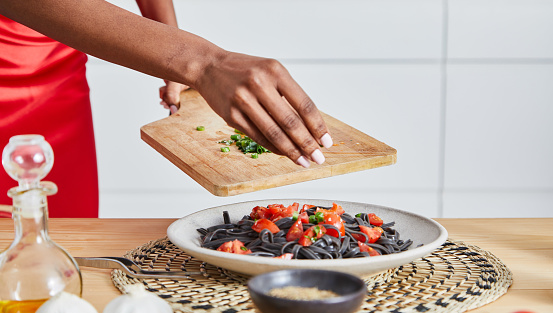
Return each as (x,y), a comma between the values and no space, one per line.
(43,90)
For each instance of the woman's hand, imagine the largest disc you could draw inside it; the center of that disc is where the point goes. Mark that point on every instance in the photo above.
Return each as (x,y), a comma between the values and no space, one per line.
(170,95)
(259,97)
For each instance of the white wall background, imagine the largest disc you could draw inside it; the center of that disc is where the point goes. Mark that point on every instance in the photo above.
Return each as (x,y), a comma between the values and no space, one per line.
(463,89)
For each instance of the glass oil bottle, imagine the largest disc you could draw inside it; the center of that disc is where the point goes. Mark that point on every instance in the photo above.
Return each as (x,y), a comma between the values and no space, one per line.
(33,268)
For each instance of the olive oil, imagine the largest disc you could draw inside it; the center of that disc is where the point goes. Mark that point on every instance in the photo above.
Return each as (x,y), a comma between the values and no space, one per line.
(27,306)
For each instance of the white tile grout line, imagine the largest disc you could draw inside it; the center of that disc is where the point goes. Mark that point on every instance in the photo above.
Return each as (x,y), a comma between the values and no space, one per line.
(443,107)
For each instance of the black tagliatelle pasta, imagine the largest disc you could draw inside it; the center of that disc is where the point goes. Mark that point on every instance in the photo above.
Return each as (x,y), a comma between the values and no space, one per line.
(353,243)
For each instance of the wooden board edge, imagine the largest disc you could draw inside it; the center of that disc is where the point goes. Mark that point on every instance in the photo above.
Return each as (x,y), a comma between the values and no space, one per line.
(174,159)
(303,176)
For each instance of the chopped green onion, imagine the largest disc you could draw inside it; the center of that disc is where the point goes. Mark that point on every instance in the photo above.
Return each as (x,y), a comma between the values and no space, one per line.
(255,155)
(243,248)
(225,149)
(358,215)
(320,216)
(317,230)
(237,131)
(235,137)
(200,128)
(295,216)
(312,219)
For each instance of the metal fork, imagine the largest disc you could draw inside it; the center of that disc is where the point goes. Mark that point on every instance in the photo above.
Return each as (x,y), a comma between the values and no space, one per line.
(132,269)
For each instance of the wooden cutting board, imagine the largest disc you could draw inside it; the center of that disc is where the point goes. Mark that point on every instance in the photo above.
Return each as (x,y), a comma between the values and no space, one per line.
(198,153)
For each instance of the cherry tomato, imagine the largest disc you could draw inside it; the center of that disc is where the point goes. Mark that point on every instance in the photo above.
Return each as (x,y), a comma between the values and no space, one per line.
(372,233)
(375,220)
(295,232)
(336,221)
(285,256)
(259,212)
(364,248)
(263,223)
(236,246)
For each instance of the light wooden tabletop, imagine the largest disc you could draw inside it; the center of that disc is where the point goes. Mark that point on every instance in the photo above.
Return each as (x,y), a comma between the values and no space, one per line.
(524,245)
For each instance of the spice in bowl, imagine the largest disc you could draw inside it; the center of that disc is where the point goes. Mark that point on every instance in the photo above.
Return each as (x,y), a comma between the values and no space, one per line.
(302,293)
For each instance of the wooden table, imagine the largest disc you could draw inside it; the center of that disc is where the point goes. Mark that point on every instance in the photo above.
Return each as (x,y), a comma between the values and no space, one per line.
(524,245)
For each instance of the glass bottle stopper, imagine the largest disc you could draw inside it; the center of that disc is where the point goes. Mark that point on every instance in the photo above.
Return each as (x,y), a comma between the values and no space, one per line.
(28,159)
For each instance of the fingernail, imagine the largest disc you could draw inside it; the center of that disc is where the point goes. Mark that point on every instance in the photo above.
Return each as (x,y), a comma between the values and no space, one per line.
(318,156)
(303,162)
(173,109)
(326,140)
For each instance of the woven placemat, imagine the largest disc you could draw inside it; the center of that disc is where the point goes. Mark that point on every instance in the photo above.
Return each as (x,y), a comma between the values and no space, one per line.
(454,278)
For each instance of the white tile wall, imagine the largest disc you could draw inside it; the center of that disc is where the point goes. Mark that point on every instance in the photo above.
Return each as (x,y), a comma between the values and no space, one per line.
(499,133)
(500,29)
(474,140)
(499,143)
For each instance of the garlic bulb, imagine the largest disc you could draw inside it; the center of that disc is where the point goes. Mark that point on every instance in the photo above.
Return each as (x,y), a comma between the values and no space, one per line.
(138,300)
(65,302)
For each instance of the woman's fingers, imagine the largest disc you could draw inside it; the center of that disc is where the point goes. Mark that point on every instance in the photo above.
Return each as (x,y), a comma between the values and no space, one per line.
(170,95)
(247,92)
(291,125)
(269,129)
(305,107)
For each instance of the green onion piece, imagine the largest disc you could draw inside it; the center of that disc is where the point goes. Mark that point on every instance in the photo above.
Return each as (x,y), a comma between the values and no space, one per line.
(200,128)
(295,216)
(255,155)
(320,216)
(317,230)
(358,215)
(244,248)
(235,137)
(312,219)
(225,149)
(313,239)
(237,131)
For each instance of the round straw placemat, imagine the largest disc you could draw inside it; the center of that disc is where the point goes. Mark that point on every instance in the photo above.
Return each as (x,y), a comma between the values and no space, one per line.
(454,278)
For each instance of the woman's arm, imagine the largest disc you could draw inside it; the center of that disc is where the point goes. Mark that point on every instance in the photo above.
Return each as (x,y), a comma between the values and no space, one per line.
(246,91)
(163,11)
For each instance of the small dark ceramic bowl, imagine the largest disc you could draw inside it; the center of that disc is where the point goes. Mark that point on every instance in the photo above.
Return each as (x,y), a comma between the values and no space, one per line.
(351,291)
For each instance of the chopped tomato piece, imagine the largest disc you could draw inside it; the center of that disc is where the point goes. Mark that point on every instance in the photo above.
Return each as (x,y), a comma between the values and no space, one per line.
(236,246)
(364,248)
(372,233)
(262,224)
(285,256)
(336,209)
(285,212)
(226,247)
(304,217)
(375,220)
(336,221)
(275,208)
(259,212)
(306,207)
(311,235)
(294,206)
(295,232)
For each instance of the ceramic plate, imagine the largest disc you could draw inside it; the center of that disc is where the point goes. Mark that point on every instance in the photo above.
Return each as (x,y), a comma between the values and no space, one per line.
(423,231)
